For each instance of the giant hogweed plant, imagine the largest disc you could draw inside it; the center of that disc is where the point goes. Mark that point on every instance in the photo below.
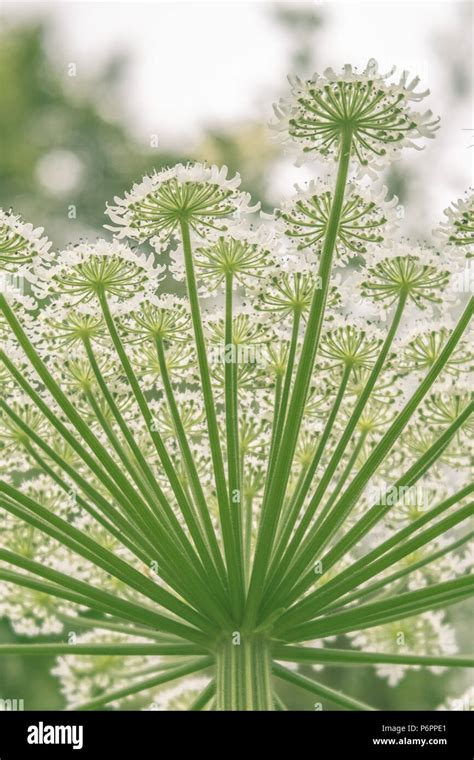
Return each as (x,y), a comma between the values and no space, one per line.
(208,494)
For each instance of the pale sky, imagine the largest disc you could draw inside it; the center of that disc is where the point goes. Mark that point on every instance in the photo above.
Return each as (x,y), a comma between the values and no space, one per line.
(196,63)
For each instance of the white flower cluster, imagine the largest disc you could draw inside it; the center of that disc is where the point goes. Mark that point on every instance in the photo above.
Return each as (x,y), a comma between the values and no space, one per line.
(127,411)
(426,634)
(378,111)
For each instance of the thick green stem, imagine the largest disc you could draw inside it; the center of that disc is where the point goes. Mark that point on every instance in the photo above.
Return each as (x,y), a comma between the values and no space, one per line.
(369,519)
(49,523)
(301,493)
(230,521)
(347,470)
(248,508)
(363,569)
(189,462)
(281,415)
(276,411)
(352,657)
(126,432)
(288,508)
(158,443)
(92,650)
(150,683)
(243,673)
(118,485)
(230,376)
(278,570)
(165,546)
(385,584)
(283,462)
(204,698)
(110,527)
(126,528)
(319,690)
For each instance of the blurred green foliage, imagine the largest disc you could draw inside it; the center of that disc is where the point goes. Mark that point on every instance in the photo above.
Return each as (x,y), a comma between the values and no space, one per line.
(45,110)
(47,113)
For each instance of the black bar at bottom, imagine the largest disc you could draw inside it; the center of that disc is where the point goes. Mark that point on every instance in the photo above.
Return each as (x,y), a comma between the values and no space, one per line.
(316,734)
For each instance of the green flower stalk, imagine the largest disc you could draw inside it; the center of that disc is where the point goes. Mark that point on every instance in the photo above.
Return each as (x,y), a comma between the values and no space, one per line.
(273,468)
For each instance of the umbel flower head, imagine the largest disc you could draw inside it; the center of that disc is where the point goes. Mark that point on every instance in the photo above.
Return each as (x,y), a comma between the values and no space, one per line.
(458,228)
(376,113)
(154,317)
(416,273)
(199,195)
(242,255)
(367,218)
(422,347)
(350,346)
(82,273)
(288,293)
(70,327)
(21,245)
